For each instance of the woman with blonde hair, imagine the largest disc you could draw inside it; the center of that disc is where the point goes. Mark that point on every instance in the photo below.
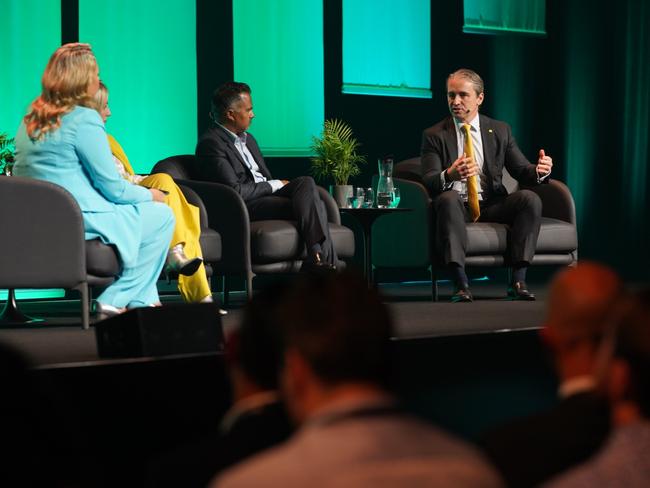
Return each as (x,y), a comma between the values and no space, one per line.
(62,140)
(194,287)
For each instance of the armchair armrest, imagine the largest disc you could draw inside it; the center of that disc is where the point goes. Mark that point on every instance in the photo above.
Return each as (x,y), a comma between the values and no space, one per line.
(228,215)
(333,214)
(402,240)
(194,199)
(557,201)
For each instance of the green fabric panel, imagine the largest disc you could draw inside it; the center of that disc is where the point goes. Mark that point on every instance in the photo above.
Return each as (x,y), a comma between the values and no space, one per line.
(146,52)
(505,16)
(387,48)
(30,31)
(278,51)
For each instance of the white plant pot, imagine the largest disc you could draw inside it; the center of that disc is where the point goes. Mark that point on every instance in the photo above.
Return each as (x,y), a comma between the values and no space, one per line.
(341,193)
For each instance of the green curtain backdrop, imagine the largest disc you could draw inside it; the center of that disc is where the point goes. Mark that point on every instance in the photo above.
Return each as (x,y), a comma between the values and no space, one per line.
(636,154)
(501,16)
(147,56)
(387,47)
(30,31)
(278,51)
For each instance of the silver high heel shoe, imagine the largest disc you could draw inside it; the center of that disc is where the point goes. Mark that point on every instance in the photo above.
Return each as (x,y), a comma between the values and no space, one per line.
(177,262)
(208,299)
(103,310)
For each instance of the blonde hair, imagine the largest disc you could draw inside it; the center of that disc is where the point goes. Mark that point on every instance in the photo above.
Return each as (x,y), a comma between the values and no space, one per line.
(65,83)
(100,100)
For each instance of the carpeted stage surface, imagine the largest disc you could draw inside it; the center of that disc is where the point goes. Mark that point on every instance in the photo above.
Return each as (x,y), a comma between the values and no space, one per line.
(59,340)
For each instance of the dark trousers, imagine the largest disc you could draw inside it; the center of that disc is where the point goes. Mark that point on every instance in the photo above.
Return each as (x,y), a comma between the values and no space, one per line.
(521,211)
(298,200)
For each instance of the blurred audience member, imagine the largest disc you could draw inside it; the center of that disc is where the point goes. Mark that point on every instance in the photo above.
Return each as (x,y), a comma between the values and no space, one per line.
(531,450)
(257,419)
(353,434)
(624,360)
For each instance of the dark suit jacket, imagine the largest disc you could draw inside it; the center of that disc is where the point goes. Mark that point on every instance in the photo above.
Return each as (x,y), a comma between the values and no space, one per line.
(218,160)
(194,465)
(440,150)
(531,450)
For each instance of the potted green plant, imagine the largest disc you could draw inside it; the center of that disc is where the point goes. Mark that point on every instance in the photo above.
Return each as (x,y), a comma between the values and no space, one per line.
(6,154)
(336,158)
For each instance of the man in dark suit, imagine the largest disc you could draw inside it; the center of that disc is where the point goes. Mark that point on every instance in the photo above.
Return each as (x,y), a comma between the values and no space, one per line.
(448,164)
(227,154)
(531,450)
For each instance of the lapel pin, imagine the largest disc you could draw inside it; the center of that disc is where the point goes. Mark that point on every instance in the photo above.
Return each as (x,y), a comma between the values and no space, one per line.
(490,131)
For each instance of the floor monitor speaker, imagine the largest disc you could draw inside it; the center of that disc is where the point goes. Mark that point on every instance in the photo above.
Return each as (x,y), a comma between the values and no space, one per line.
(161,331)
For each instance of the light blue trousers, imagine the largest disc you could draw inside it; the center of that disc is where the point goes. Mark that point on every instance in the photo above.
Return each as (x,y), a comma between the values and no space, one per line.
(136,285)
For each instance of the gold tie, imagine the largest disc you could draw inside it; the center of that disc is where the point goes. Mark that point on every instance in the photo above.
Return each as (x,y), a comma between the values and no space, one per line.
(472,182)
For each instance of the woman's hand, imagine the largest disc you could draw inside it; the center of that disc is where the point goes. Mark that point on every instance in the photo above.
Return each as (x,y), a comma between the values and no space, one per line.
(157,195)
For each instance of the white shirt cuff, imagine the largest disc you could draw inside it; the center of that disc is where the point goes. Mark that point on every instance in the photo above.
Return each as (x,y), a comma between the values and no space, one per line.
(542,178)
(443,181)
(275,185)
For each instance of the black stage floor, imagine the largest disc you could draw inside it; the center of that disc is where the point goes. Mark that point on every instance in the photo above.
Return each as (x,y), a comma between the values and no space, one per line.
(59,341)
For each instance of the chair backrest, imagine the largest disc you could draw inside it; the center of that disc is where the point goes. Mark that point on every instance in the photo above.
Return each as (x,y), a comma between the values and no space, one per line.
(411,169)
(181,167)
(42,243)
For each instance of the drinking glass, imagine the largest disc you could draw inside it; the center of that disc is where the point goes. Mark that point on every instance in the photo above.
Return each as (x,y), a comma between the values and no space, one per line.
(361,198)
(384,199)
(396,198)
(369,198)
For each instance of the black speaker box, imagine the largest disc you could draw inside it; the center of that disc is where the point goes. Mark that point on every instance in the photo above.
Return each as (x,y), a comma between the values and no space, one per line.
(161,331)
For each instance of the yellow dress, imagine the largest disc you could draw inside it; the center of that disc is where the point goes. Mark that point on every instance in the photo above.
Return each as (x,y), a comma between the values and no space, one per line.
(192,288)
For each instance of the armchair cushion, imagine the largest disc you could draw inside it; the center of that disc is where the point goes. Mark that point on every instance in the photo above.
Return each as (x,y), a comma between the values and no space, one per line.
(210,241)
(556,236)
(101,259)
(278,240)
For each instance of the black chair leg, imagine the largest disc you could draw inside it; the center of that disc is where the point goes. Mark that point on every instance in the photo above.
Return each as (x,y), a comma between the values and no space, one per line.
(11,315)
(434,284)
(85,306)
(226,291)
(249,285)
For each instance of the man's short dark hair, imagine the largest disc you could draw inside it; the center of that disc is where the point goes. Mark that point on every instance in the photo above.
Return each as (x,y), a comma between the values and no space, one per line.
(255,347)
(225,96)
(340,327)
(633,346)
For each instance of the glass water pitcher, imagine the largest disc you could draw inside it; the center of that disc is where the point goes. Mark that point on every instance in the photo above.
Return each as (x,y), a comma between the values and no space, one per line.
(385,186)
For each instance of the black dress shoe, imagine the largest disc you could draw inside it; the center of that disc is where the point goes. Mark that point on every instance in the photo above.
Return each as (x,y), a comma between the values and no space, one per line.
(462,294)
(316,265)
(519,291)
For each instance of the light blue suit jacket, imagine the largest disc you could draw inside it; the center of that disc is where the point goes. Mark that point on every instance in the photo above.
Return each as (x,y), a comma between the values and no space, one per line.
(77,157)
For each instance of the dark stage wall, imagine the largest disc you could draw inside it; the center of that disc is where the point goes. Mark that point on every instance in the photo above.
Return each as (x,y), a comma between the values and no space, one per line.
(582,93)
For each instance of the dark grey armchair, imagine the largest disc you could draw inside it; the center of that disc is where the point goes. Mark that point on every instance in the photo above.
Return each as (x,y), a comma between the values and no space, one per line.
(43,245)
(252,248)
(415,245)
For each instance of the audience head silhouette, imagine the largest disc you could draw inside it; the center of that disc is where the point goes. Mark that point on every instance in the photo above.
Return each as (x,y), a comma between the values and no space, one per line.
(336,341)
(625,355)
(253,352)
(579,302)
